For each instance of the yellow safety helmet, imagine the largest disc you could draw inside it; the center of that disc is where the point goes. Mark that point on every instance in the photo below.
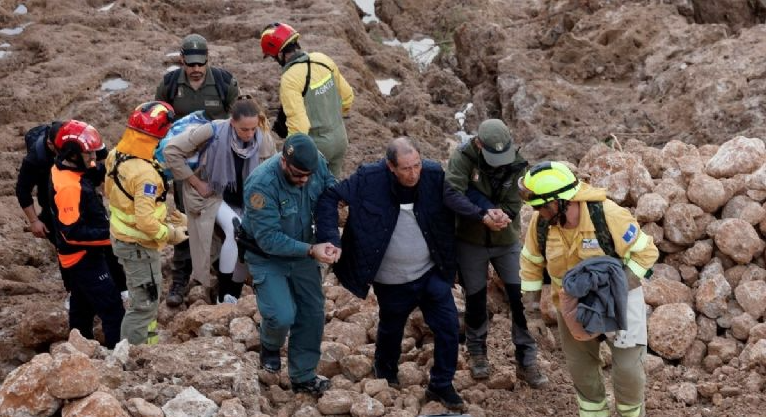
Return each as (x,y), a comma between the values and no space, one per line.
(547,181)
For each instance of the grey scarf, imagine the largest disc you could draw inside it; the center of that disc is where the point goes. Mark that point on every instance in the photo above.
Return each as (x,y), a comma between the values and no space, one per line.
(219,162)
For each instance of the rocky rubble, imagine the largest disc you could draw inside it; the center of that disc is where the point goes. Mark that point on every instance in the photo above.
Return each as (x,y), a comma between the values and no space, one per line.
(680,76)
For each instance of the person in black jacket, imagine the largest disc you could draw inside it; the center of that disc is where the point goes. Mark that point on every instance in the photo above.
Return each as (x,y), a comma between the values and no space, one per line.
(34,175)
(82,231)
(399,236)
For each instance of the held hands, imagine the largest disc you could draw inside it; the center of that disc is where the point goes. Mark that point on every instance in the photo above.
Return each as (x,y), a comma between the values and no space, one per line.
(325,252)
(176,234)
(38,228)
(496,219)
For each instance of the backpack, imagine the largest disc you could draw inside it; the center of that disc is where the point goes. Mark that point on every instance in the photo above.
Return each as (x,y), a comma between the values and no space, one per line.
(602,233)
(182,125)
(222,78)
(279,125)
(33,135)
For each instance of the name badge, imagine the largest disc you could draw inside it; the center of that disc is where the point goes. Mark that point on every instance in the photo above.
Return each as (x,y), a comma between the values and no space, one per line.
(212,103)
(590,244)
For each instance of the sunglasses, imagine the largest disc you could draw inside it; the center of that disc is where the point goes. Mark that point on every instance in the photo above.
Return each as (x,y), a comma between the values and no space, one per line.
(196,65)
(245,97)
(295,173)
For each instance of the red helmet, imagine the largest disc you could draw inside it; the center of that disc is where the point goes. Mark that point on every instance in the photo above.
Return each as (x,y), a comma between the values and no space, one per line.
(153,118)
(76,132)
(275,37)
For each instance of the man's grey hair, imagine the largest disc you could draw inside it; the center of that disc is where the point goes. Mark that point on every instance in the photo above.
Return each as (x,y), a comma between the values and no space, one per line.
(399,146)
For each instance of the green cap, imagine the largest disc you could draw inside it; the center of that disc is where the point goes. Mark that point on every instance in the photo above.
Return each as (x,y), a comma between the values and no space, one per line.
(300,152)
(195,49)
(497,143)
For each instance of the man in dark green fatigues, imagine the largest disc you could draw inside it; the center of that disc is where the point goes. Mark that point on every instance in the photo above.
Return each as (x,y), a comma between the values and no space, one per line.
(195,86)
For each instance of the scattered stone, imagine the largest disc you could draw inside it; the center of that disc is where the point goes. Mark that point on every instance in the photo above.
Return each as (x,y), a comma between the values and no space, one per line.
(190,402)
(24,391)
(98,404)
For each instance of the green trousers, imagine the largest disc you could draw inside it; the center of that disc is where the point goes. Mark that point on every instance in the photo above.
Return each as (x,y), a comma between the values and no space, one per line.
(290,299)
(627,374)
(142,270)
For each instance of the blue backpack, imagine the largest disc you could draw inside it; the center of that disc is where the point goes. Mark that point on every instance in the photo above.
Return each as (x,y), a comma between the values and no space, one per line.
(187,122)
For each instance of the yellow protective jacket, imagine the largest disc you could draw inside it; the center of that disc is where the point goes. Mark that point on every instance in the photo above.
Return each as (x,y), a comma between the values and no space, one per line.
(567,247)
(292,83)
(141,220)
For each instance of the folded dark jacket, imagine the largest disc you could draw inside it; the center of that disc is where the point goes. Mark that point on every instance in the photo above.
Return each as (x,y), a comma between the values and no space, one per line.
(601,287)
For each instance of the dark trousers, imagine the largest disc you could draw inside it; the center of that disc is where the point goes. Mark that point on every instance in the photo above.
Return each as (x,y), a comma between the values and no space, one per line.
(181,263)
(51,236)
(94,293)
(432,294)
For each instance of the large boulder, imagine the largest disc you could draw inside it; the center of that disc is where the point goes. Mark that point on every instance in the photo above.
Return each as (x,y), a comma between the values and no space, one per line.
(672,330)
(738,239)
(24,391)
(740,155)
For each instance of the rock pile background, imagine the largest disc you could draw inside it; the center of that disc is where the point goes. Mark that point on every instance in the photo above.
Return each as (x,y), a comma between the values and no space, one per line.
(680,84)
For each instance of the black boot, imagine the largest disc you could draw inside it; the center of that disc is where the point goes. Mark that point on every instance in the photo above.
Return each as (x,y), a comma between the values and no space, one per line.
(225,285)
(236,288)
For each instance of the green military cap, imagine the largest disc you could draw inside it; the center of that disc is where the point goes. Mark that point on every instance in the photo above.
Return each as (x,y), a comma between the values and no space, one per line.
(497,142)
(195,49)
(300,152)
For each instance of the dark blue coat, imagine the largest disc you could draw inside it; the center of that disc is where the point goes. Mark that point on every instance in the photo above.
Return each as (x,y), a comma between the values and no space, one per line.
(373,214)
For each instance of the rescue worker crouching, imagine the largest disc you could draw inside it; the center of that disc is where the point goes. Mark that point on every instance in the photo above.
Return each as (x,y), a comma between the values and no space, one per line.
(139,226)
(574,237)
(82,231)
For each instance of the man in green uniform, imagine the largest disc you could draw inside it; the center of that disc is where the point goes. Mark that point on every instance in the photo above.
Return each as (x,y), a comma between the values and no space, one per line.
(280,197)
(313,93)
(486,169)
(195,86)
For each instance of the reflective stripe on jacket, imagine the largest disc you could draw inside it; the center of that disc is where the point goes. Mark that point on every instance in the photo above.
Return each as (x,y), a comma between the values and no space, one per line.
(142,220)
(566,248)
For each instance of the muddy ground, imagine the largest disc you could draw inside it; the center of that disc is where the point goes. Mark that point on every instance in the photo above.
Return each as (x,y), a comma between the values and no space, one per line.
(564,74)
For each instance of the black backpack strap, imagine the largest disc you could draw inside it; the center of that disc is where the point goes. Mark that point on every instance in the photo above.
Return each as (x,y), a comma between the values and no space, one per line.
(602,232)
(122,157)
(222,79)
(542,229)
(171,83)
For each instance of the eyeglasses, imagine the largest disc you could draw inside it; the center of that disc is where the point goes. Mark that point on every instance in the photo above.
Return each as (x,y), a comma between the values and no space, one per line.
(295,173)
(245,97)
(195,65)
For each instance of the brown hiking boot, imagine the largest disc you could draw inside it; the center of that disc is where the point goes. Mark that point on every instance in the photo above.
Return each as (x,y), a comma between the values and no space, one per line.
(532,376)
(479,366)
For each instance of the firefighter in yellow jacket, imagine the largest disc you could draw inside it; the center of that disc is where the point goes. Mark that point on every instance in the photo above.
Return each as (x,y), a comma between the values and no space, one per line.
(563,205)
(313,94)
(138,226)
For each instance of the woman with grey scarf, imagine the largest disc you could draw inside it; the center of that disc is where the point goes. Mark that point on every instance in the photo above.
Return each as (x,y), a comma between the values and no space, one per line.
(227,151)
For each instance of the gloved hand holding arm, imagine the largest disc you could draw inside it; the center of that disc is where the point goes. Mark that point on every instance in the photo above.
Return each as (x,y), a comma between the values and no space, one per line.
(176,234)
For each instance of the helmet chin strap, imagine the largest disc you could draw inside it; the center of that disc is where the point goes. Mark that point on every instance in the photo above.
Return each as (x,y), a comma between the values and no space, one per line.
(562,205)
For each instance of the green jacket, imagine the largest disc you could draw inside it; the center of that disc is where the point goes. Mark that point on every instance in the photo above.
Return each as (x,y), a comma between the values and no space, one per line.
(206,98)
(465,171)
